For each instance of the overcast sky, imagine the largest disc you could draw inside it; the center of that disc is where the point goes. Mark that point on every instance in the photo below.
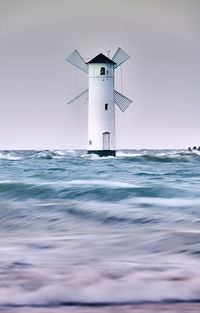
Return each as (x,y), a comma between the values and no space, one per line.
(162,77)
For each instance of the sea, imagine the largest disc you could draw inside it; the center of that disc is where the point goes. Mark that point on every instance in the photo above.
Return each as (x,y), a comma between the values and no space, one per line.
(82,233)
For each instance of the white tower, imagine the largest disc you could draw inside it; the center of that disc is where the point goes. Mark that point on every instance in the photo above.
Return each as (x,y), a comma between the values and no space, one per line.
(101,99)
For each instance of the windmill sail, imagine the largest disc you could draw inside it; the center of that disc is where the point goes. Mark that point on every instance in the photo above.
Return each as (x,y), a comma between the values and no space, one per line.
(76,59)
(121,101)
(120,57)
(79,96)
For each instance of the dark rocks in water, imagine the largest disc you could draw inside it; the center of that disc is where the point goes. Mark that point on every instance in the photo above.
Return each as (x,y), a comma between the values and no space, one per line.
(194,148)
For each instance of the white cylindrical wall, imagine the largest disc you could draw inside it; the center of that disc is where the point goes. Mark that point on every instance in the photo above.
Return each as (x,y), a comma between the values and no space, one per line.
(101,92)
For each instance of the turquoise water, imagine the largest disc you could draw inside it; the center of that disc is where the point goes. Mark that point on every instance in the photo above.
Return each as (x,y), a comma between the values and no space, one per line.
(76,229)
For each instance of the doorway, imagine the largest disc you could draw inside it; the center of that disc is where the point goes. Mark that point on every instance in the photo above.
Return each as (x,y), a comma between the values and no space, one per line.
(106,141)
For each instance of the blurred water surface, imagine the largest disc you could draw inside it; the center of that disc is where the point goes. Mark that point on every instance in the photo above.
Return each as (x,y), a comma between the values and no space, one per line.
(80,230)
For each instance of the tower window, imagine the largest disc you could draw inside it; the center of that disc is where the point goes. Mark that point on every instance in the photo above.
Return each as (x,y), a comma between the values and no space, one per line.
(90,142)
(106,106)
(102,71)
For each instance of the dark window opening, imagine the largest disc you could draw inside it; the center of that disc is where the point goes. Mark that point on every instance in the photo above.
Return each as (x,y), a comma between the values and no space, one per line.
(102,71)
(90,142)
(106,106)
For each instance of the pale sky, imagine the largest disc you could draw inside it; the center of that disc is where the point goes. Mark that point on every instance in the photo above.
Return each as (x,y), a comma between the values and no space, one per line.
(162,77)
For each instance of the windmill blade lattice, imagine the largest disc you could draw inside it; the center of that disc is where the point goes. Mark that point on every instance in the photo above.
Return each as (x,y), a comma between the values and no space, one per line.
(79,96)
(76,59)
(121,101)
(120,57)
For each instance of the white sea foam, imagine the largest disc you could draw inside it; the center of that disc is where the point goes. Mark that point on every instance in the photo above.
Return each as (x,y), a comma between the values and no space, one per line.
(106,183)
(123,154)
(79,182)
(65,152)
(196,152)
(108,282)
(9,156)
(168,202)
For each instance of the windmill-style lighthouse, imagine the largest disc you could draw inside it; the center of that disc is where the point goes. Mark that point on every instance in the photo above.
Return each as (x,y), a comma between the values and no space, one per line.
(101,99)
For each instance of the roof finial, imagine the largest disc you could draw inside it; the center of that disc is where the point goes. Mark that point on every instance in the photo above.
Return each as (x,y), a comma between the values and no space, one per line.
(109,49)
(108,52)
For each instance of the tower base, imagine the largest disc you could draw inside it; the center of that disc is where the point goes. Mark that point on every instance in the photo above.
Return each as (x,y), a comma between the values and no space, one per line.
(103,153)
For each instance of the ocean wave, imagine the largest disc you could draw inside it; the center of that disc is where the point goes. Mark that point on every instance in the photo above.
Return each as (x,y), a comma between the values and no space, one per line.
(102,283)
(38,213)
(167,156)
(162,157)
(10,156)
(104,190)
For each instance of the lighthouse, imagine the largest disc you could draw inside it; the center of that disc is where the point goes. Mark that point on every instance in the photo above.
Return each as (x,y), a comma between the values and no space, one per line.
(102,98)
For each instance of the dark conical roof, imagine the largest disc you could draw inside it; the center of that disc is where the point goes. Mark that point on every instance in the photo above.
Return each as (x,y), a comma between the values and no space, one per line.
(101,58)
